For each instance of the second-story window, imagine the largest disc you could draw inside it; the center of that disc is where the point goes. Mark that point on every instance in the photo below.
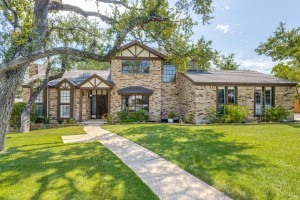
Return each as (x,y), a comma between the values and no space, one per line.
(169,73)
(135,66)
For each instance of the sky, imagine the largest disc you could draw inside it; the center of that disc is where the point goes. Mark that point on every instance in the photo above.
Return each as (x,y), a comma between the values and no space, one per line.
(239,26)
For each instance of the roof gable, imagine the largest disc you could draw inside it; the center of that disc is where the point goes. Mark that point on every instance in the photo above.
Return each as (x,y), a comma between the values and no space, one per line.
(95,81)
(138,50)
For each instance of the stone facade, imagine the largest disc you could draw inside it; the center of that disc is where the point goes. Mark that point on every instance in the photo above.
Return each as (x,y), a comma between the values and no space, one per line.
(26,94)
(284,96)
(183,96)
(152,80)
(52,102)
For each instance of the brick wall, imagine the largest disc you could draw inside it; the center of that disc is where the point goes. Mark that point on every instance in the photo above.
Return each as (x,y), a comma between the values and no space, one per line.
(150,81)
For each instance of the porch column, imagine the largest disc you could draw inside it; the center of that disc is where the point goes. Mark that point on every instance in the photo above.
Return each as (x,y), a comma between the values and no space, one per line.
(80,106)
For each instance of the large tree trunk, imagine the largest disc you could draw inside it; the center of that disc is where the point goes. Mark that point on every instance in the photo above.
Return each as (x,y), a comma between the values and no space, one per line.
(25,119)
(9,81)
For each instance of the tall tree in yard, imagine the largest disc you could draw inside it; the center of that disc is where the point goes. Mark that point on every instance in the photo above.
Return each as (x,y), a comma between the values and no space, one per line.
(35,29)
(284,47)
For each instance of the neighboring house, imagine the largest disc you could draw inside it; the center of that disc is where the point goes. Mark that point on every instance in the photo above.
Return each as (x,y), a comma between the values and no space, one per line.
(141,79)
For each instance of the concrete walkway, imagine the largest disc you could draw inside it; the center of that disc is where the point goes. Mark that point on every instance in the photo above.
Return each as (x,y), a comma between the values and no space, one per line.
(165,179)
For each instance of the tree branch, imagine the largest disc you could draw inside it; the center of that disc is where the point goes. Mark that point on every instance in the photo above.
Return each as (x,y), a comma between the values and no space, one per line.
(16,63)
(67,7)
(16,23)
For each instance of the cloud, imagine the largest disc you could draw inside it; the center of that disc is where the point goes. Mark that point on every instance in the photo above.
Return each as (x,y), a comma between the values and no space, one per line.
(263,65)
(220,7)
(223,28)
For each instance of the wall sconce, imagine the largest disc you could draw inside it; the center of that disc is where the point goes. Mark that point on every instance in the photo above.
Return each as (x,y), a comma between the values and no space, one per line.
(90,95)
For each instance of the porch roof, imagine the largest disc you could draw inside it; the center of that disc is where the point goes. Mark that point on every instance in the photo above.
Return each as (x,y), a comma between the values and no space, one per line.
(135,90)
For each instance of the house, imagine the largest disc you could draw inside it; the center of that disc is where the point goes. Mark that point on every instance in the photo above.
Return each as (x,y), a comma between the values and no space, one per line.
(141,79)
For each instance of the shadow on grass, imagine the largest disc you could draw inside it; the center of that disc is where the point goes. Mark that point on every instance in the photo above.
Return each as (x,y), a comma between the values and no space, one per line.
(201,152)
(73,171)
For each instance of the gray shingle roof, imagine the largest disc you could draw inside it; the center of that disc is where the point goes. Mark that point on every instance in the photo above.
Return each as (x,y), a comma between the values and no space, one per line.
(76,77)
(135,90)
(235,77)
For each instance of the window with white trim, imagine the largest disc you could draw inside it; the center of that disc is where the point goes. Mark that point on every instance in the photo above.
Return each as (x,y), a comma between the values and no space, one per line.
(65,103)
(169,73)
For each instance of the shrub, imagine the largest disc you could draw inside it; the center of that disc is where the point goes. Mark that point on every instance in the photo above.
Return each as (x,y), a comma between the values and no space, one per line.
(15,120)
(212,114)
(276,114)
(172,115)
(65,121)
(130,117)
(69,121)
(46,119)
(188,118)
(109,118)
(235,114)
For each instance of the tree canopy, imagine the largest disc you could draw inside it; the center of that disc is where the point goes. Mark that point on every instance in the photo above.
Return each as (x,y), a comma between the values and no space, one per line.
(284,47)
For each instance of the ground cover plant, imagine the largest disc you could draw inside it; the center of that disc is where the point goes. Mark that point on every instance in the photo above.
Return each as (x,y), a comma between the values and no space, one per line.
(243,161)
(37,165)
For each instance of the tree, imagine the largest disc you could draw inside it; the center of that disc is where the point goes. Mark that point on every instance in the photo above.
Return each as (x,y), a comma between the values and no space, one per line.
(284,47)
(223,62)
(52,72)
(36,29)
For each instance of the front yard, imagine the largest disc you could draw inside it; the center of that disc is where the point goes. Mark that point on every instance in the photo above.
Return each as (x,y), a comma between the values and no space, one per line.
(37,165)
(245,162)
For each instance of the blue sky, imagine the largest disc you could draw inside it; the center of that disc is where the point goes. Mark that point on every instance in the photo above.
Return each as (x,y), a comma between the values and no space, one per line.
(239,26)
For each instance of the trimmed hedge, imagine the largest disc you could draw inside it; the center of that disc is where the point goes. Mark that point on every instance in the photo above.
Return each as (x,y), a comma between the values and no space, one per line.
(131,117)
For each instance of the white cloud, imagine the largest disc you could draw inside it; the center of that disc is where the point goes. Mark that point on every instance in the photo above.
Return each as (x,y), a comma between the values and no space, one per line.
(223,28)
(221,7)
(263,65)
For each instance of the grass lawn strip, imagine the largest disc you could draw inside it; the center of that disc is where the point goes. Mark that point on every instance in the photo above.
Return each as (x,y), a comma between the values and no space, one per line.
(245,162)
(37,165)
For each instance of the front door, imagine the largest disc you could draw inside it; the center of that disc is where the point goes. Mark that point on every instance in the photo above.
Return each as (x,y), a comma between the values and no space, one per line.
(99,104)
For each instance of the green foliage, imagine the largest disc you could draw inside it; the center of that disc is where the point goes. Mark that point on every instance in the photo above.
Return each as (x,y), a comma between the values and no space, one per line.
(69,121)
(235,113)
(188,118)
(284,46)
(109,118)
(131,117)
(15,120)
(276,114)
(227,114)
(172,115)
(212,114)
(226,63)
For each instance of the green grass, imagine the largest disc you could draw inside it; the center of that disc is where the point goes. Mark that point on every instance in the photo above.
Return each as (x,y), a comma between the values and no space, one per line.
(245,162)
(37,165)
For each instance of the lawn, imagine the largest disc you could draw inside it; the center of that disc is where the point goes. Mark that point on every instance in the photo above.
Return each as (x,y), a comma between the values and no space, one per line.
(243,161)
(37,165)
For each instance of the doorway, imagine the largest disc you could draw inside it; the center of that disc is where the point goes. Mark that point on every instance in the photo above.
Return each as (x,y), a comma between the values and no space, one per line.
(99,103)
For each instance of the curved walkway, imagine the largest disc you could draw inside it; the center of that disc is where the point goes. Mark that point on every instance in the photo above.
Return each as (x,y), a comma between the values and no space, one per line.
(165,179)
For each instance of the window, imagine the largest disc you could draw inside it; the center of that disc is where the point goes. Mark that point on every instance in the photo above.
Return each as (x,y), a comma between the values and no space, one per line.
(226,95)
(39,104)
(169,73)
(231,95)
(263,99)
(135,102)
(65,96)
(135,66)
(65,103)
(65,111)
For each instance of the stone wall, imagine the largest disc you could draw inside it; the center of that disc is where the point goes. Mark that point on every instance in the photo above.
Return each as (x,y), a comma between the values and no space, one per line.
(53,94)
(204,98)
(86,105)
(153,81)
(186,100)
(246,98)
(284,96)
(26,94)
(170,94)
